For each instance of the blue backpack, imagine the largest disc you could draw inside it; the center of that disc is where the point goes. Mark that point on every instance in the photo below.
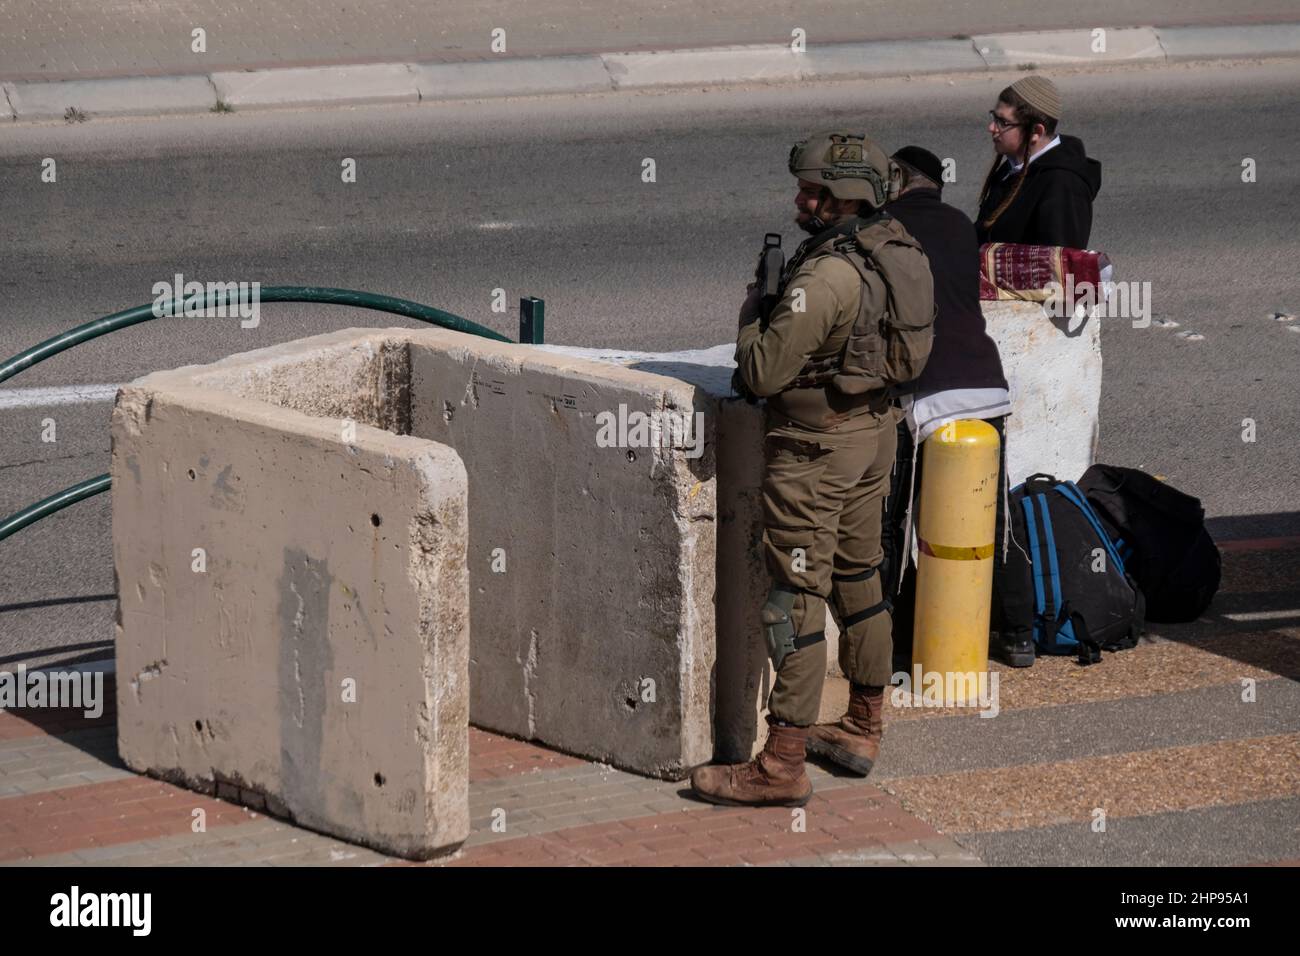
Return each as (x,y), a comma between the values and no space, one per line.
(1066,581)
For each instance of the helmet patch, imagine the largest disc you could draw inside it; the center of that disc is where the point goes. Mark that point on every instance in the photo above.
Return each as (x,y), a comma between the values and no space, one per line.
(844,153)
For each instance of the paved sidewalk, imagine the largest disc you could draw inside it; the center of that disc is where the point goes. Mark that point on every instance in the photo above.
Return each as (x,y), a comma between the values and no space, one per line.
(1160,738)
(65,799)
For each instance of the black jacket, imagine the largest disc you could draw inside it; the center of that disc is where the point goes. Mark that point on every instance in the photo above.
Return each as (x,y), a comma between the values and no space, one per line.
(963,355)
(1054,207)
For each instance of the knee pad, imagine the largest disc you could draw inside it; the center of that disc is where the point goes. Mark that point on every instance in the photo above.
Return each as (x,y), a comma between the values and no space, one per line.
(859,597)
(780,630)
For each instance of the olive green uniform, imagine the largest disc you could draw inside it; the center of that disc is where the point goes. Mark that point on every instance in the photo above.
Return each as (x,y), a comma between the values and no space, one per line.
(851,316)
(828,458)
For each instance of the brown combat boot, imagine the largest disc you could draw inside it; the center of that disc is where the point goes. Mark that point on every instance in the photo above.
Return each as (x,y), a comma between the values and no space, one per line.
(775,778)
(854,741)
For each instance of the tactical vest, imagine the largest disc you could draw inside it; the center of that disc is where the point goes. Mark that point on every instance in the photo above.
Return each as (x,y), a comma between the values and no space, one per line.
(882,351)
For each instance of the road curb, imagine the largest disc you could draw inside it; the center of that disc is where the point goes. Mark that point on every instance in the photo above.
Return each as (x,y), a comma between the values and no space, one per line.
(1193,43)
(351,85)
(1046,49)
(516,77)
(317,86)
(901,58)
(126,96)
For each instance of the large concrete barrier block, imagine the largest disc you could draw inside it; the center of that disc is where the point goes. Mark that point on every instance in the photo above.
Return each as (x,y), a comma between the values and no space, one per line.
(592,550)
(292,622)
(591,546)
(743,672)
(1053,366)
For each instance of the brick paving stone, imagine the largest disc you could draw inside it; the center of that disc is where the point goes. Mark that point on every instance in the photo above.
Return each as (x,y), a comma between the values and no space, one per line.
(494,757)
(33,764)
(101,814)
(699,834)
(560,811)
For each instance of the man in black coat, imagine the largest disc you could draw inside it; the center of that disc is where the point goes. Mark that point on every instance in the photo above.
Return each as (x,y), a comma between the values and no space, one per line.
(1041,187)
(962,379)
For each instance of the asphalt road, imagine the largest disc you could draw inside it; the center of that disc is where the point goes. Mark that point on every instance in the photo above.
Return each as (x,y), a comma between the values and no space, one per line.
(545,197)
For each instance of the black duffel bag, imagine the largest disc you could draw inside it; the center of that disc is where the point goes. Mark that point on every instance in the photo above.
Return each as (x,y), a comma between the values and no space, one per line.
(1160,533)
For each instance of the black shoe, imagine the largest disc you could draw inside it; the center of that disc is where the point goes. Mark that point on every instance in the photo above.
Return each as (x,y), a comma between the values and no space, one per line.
(1013,649)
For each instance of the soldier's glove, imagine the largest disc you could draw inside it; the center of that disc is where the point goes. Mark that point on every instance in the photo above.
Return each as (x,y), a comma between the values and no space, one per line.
(778,628)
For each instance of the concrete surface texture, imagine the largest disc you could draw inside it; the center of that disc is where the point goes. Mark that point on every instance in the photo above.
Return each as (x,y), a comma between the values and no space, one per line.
(1054,369)
(292,628)
(743,673)
(591,555)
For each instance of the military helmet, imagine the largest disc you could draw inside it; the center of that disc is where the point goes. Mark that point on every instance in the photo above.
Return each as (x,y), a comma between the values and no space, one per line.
(849,165)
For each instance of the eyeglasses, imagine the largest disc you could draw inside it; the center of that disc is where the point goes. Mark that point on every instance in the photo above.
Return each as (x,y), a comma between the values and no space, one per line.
(1001,123)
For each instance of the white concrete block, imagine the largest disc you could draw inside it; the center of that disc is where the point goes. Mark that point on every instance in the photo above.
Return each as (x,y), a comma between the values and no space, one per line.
(1054,369)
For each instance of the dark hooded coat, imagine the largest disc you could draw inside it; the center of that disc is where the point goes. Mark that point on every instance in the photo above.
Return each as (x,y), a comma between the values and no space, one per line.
(1053,207)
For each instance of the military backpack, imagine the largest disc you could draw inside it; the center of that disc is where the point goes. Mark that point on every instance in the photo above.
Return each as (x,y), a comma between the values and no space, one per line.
(882,351)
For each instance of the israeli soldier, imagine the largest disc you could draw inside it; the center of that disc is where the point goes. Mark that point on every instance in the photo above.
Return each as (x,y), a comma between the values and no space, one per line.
(854,318)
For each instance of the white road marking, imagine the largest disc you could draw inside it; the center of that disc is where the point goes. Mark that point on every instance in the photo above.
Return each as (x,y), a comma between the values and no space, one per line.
(1262,615)
(63,395)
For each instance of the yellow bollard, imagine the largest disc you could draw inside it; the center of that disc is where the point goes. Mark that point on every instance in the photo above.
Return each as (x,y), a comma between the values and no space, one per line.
(954,583)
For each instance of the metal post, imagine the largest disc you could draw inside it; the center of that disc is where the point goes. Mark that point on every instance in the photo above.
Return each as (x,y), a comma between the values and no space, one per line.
(532,320)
